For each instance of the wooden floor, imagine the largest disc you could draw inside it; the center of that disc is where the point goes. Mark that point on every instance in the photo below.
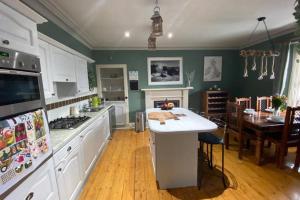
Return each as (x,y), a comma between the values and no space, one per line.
(125,172)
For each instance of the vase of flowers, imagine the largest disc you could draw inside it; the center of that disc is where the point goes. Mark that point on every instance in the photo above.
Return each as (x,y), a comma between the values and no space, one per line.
(279,103)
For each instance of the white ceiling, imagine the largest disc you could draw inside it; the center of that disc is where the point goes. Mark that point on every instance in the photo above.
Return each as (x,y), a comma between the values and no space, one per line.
(194,23)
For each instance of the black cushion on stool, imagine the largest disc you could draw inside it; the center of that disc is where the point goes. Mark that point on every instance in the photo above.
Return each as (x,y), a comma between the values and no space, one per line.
(210,138)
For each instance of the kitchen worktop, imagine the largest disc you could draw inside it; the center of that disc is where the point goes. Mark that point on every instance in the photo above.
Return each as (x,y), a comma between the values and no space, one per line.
(60,137)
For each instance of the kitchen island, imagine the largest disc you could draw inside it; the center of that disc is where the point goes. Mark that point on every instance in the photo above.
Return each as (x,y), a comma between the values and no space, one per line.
(174,147)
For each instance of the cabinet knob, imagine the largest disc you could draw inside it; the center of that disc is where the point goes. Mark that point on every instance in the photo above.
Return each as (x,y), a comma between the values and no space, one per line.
(5,42)
(67,79)
(53,94)
(21,64)
(29,196)
(69,148)
(78,90)
(59,169)
(126,97)
(34,66)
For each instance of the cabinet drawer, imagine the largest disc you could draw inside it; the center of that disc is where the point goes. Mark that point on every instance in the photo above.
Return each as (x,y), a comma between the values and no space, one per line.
(66,150)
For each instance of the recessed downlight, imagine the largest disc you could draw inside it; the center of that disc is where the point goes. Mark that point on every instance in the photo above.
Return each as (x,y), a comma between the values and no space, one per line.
(170,35)
(127,34)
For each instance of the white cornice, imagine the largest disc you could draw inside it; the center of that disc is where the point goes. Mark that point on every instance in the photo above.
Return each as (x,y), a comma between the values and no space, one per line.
(64,47)
(25,10)
(165,48)
(40,7)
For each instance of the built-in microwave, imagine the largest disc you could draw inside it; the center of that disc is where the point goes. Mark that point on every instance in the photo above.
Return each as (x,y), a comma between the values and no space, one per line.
(21,88)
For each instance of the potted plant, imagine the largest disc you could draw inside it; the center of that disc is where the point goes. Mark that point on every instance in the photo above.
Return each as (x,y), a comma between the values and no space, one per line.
(279,103)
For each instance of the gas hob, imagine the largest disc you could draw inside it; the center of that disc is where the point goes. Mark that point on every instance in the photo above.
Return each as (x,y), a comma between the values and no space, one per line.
(68,122)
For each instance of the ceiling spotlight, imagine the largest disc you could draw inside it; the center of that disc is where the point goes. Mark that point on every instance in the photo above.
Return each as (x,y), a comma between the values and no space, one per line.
(170,35)
(127,34)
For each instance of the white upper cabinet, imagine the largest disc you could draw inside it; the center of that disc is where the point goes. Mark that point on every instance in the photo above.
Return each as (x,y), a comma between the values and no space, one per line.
(82,75)
(17,32)
(45,60)
(63,65)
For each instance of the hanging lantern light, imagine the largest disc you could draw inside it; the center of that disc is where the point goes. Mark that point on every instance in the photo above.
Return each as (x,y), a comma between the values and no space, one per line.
(151,42)
(157,27)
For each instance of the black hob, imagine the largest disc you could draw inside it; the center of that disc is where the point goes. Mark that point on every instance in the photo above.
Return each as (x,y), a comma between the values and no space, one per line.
(68,122)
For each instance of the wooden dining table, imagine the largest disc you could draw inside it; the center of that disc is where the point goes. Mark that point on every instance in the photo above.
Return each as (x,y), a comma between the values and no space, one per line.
(261,126)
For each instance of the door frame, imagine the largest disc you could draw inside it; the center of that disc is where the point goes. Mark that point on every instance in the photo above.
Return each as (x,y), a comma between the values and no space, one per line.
(99,87)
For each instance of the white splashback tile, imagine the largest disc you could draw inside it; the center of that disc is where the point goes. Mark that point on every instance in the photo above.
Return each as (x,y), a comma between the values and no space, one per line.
(64,111)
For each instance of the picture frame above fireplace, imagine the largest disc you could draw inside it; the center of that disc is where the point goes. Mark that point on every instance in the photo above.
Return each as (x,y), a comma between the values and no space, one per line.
(165,71)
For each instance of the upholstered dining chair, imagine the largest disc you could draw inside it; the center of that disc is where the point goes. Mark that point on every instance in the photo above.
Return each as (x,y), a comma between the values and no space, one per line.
(234,122)
(244,101)
(263,102)
(290,137)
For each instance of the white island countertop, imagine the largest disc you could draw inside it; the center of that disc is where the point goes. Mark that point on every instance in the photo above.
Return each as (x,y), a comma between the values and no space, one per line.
(190,123)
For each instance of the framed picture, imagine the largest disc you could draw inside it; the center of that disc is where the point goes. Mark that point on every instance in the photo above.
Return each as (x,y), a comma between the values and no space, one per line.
(212,68)
(165,71)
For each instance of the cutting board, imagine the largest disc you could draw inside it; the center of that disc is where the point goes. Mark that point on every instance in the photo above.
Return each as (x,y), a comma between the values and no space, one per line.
(162,116)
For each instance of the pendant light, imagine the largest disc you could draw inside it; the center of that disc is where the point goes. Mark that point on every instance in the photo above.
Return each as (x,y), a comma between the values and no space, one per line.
(263,56)
(151,42)
(157,27)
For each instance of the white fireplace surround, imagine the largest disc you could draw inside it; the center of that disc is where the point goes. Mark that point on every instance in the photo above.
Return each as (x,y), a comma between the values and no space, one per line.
(160,94)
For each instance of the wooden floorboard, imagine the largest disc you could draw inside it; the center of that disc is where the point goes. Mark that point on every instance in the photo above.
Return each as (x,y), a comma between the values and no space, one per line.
(125,172)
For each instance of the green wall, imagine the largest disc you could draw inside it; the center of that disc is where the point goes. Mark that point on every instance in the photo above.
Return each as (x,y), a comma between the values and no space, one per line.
(55,32)
(192,60)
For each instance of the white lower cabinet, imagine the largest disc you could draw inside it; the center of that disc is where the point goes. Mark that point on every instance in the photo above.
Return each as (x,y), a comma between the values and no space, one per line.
(120,112)
(93,139)
(41,185)
(69,175)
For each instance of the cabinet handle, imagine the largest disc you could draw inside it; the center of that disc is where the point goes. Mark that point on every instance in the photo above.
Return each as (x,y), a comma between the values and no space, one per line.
(29,196)
(59,169)
(53,94)
(69,148)
(5,42)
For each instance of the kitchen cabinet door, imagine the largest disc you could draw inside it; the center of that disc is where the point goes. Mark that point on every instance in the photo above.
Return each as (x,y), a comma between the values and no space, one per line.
(17,31)
(40,185)
(99,129)
(69,176)
(89,149)
(106,126)
(45,60)
(120,109)
(82,80)
(63,65)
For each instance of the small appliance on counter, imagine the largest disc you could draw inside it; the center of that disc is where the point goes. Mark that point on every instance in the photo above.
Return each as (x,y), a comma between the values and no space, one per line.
(24,132)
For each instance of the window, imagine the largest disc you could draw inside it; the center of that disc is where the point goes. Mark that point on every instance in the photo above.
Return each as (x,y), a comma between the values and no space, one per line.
(294,86)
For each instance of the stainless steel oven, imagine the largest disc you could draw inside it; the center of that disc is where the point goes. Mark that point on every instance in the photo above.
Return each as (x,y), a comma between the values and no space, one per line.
(21,87)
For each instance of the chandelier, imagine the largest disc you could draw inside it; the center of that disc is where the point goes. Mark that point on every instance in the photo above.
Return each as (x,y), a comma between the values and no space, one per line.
(251,56)
(157,27)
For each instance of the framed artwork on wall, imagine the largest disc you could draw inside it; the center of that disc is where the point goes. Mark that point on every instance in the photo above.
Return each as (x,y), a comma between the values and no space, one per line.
(165,70)
(212,68)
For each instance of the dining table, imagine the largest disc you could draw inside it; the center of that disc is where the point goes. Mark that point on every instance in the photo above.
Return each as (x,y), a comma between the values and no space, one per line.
(261,125)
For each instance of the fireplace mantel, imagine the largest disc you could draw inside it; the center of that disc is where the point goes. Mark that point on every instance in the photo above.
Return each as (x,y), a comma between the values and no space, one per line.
(160,94)
(163,89)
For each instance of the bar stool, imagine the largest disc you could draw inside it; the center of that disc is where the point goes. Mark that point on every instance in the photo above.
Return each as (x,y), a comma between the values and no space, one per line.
(211,139)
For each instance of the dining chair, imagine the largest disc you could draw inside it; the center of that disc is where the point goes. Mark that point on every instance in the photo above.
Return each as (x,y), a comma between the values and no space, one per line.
(289,137)
(234,122)
(244,101)
(263,102)
(212,139)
